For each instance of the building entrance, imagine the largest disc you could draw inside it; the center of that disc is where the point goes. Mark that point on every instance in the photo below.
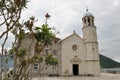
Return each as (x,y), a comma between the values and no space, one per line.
(75,69)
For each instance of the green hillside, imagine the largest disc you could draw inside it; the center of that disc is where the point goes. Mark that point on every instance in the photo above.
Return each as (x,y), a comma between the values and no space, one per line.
(106,62)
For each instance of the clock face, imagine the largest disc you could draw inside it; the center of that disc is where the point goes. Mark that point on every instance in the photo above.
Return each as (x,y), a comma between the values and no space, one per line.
(74,47)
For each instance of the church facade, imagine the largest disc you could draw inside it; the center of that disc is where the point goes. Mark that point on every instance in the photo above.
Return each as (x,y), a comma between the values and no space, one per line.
(79,56)
(76,55)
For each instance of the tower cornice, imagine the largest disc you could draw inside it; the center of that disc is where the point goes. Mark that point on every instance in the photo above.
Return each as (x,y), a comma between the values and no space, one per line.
(90,42)
(88,26)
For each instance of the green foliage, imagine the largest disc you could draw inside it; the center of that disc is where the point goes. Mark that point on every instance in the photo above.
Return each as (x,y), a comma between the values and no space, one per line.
(13,31)
(1,3)
(21,52)
(44,34)
(24,3)
(24,61)
(10,74)
(6,78)
(11,51)
(50,60)
(38,58)
(12,9)
(54,61)
(21,34)
(32,18)
(106,62)
(7,60)
(15,4)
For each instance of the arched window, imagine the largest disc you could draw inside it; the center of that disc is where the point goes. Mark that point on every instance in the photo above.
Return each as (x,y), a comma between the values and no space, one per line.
(85,21)
(92,21)
(88,21)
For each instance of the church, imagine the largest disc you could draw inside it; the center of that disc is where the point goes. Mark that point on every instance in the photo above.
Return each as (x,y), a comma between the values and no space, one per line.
(79,56)
(76,55)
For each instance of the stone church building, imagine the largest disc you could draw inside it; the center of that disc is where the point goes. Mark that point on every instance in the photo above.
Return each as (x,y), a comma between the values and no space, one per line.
(79,56)
(76,55)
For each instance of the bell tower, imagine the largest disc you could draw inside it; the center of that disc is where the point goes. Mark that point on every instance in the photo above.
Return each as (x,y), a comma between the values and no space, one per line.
(89,28)
(91,43)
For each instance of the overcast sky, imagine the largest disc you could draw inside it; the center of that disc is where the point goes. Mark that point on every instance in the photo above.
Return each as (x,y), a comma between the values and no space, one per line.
(66,16)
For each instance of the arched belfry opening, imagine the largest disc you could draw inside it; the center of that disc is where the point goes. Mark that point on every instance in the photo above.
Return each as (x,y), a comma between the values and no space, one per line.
(89,22)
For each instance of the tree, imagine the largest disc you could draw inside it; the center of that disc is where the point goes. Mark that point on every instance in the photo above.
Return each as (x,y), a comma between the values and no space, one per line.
(43,37)
(10,14)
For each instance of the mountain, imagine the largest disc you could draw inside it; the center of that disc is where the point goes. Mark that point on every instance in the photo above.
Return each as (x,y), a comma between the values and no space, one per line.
(106,62)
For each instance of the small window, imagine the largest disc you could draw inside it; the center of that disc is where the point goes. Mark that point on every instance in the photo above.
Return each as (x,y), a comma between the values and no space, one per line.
(36,66)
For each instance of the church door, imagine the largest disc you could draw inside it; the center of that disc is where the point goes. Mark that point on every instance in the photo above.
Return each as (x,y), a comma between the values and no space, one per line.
(75,69)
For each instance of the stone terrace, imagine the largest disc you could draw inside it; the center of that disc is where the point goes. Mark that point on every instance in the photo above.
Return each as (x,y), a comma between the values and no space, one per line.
(104,76)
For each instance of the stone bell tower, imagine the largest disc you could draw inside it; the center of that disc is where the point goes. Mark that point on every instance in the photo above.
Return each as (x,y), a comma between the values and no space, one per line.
(90,40)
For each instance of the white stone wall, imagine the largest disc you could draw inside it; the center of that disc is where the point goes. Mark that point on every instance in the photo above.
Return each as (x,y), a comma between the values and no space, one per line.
(92,55)
(89,34)
(68,54)
(57,47)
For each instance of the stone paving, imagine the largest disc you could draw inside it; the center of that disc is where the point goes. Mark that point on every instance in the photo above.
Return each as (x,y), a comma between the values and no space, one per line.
(104,76)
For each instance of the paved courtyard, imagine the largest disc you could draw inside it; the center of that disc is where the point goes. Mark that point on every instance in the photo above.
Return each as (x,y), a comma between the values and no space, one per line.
(104,76)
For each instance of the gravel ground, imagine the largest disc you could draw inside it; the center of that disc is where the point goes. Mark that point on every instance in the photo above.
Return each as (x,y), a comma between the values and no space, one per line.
(104,76)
